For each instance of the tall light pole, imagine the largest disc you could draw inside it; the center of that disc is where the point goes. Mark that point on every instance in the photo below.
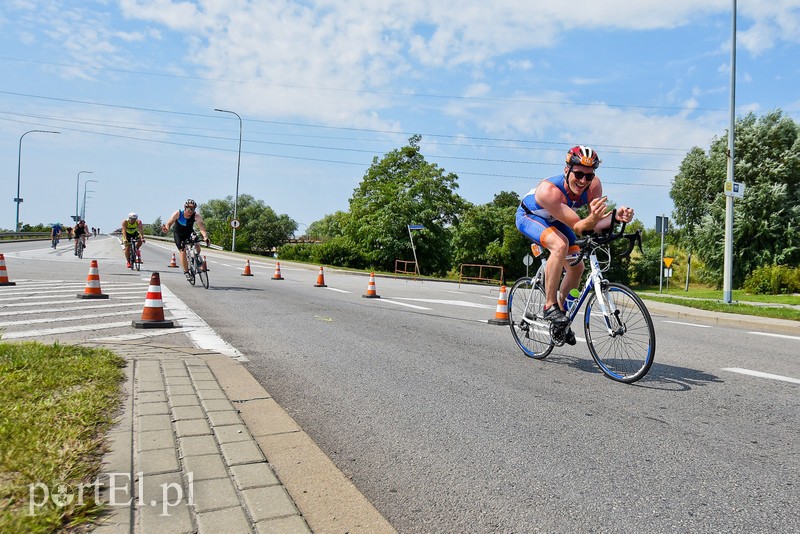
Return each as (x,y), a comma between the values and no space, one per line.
(727,270)
(19,167)
(235,221)
(77,215)
(83,210)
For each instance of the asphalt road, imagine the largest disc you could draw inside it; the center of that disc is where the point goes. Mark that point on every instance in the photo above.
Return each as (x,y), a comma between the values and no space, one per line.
(445,426)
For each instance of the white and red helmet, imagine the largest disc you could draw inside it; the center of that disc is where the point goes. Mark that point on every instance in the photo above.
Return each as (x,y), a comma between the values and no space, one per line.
(583,155)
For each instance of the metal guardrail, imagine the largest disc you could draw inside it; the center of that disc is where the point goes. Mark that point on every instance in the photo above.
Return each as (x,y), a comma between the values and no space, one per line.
(24,235)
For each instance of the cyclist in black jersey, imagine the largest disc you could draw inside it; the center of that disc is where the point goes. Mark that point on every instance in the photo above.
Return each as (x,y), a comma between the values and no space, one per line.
(184,221)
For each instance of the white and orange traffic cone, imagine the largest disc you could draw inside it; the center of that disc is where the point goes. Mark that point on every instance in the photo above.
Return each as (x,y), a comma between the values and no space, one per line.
(4,274)
(92,289)
(277,275)
(371,293)
(153,312)
(247,269)
(501,315)
(172,263)
(320,278)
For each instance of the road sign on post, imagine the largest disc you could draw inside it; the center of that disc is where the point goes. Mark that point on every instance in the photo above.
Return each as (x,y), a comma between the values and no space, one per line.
(413,249)
(662,224)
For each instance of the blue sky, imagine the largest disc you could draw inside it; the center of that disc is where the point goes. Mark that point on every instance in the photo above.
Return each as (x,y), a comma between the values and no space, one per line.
(498,90)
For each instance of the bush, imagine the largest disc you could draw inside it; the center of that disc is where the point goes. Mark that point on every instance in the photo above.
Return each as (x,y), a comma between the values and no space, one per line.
(773,280)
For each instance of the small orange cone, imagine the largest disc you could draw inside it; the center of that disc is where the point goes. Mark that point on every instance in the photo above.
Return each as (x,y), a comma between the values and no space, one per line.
(247,269)
(277,275)
(153,313)
(501,315)
(371,293)
(4,274)
(172,263)
(320,279)
(92,289)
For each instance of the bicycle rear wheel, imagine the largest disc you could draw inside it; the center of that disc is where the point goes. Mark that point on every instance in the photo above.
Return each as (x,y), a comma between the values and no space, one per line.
(625,354)
(531,332)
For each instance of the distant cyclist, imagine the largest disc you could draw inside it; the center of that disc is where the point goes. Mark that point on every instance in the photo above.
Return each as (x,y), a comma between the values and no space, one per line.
(132,230)
(184,221)
(80,232)
(55,234)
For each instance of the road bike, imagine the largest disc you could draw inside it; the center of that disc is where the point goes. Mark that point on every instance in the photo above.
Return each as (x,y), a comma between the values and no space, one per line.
(196,263)
(54,242)
(79,246)
(134,260)
(618,328)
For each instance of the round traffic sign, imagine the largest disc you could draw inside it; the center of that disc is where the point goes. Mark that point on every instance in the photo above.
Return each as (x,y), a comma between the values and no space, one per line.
(235,223)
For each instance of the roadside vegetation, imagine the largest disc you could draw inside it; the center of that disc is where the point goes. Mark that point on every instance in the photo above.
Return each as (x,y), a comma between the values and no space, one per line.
(57,403)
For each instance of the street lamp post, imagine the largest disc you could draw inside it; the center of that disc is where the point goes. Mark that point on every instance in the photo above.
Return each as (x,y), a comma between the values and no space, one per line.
(238,166)
(83,210)
(19,167)
(77,194)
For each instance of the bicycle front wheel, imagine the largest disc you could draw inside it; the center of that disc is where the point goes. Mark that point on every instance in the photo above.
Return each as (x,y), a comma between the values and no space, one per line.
(80,250)
(202,272)
(625,346)
(531,332)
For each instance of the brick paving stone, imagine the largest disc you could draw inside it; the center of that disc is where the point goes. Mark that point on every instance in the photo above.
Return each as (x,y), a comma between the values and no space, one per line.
(175,520)
(228,520)
(232,433)
(154,408)
(180,413)
(217,405)
(154,422)
(230,417)
(198,445)
(150,385)
(241,452)
(283,525)
(268,503)
(192,427)
(182,389)
(156,439)
(157,461)
(214,494)
(151,396)
(254,476)
(184,400)
(204,467)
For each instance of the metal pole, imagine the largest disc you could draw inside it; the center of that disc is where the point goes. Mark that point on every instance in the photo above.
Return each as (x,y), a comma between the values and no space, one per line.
(238,167)
(727,276)
(77,194)
(661,267)
(18,200)
(83,209)
(414,250)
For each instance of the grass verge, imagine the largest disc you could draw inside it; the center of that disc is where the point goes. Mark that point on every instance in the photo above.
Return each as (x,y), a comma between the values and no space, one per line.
(772,312)
(56,404)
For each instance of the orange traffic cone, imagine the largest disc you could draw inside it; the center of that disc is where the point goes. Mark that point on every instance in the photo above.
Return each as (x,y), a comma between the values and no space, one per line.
(172,263)
(92,289)
(320,278)
(501,315)
(247,269)
(371,291)
(3,274)
(153,313)
(277,275)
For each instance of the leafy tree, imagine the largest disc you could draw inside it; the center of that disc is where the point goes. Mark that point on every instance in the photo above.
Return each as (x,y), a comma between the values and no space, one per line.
(328,227)
(767,220)
(154,228)
(260,230)
(400,189)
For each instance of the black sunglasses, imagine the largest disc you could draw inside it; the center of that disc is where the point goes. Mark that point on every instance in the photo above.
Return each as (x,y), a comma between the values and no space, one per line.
(580,175)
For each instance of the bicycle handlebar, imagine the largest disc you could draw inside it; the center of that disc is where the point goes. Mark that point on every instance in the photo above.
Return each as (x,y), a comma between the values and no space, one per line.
(594,240)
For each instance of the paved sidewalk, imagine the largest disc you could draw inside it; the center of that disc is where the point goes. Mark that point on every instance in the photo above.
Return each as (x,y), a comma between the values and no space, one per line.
(200,446)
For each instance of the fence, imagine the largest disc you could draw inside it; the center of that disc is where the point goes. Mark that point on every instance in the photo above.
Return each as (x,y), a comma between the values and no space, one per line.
(402,266)
(479,273)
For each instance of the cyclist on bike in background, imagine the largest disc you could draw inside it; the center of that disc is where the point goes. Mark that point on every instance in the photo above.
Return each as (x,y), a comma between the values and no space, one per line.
(547,216)
(55,234)
(184,221)
(132,230)
(80,232)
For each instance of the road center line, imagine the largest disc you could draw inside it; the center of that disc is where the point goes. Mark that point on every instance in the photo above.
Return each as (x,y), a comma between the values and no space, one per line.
(689,324)
(759,374)
(774,335)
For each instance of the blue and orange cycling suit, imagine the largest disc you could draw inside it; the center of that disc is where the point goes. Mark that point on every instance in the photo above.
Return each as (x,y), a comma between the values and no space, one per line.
(538,225)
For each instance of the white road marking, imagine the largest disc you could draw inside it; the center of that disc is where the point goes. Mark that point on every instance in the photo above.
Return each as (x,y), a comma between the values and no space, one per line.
(689,324)
(759,374)
(450,302)
(72,308)
(774,335)
(403,304)
(65,330)
(337,290)
(61,319)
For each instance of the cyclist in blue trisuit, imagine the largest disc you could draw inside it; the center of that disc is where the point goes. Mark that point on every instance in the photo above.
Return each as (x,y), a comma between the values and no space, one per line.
(55,233)
(547,216)
(184,221)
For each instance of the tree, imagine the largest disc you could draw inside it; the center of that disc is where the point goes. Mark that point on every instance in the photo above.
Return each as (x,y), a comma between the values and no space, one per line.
(328,227)
(767,220)
(260,230)
(401,189)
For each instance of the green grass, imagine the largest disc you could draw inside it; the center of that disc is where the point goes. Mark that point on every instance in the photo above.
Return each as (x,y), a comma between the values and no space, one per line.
(56,404)
(771,306)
